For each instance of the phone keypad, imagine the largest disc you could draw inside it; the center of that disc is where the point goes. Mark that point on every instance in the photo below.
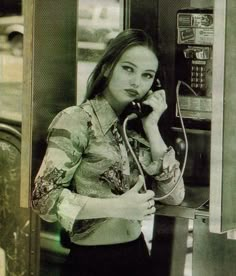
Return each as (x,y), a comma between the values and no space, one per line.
(198,76)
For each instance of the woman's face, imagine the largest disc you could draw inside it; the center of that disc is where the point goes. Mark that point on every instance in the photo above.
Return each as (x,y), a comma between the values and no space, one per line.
(132,77)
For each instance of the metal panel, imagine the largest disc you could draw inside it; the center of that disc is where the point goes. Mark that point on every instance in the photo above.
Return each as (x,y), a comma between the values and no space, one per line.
(229,150)
(27,104)
(50,51)
(223,162)
(54,67)
(213,254)
(49,75)
(217,118)
(169,245)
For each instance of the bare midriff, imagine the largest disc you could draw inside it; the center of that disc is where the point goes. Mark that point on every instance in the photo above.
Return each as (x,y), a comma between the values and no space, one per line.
(112,231)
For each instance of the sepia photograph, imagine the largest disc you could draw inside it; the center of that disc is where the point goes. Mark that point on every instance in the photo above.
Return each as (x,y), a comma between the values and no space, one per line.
(117,137)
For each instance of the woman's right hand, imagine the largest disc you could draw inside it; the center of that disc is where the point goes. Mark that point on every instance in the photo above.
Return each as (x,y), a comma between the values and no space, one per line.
(135,205)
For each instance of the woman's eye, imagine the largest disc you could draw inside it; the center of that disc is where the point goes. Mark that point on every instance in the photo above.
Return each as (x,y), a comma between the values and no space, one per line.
(127,68)
(148,76)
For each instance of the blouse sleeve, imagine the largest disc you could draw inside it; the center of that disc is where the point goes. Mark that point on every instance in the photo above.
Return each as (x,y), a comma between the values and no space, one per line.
(165,173)
(53,197)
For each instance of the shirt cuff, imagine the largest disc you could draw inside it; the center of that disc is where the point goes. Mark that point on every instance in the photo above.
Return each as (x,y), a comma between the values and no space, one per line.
(68,208)
(164,187)
(169,166)
(162,169)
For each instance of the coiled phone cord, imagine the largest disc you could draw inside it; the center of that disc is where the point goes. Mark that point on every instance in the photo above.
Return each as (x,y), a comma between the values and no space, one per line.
(133,116)
(130,117)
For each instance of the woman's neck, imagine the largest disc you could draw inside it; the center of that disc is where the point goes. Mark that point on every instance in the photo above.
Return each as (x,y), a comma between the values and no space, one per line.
(116,106)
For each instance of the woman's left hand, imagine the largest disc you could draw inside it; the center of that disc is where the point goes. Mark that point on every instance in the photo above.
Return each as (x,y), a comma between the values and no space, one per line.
(157,100)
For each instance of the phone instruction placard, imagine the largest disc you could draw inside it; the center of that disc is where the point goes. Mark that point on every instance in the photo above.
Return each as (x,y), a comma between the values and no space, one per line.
(195,107)
(195,28)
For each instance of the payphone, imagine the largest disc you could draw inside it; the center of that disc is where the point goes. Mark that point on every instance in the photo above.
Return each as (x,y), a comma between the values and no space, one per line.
(193,68)
(193,78)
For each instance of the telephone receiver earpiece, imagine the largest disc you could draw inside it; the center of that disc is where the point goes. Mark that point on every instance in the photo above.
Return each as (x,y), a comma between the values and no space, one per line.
(156,85)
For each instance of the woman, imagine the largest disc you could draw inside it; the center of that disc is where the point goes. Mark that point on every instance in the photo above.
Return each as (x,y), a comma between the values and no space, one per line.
(89,182)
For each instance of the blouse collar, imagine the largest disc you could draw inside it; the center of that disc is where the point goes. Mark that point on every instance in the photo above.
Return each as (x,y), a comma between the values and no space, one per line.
(104,112)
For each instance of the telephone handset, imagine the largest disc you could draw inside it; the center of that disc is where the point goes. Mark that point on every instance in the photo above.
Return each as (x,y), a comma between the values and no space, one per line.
(136,109)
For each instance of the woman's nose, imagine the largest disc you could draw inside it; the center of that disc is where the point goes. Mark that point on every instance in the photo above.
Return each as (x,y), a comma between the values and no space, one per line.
(135,81)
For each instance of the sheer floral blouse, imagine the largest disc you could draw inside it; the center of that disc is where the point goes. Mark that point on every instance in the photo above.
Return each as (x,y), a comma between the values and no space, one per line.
(87,157)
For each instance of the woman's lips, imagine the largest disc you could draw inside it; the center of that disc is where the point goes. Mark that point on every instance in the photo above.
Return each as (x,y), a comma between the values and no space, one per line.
(132,92)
